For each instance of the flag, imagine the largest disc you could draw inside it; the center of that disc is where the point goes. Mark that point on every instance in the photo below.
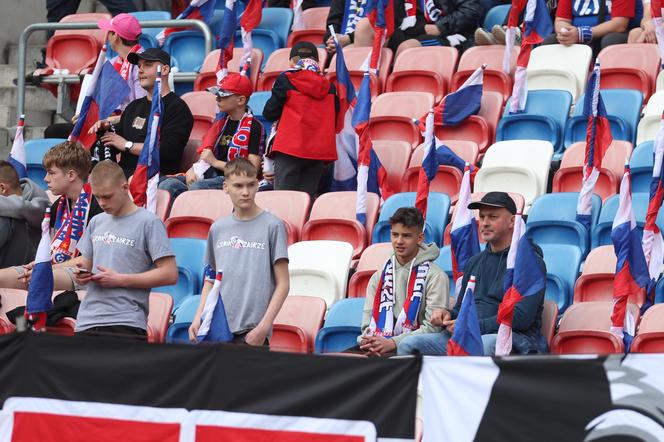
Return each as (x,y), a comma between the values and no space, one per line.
(214,324)
(466,339)
(381,16)
(107,90)
(40,288)
(298,16)
(465,242)
(143,185)
(428,168)
(226,38)
(631,268)
(251,17)
(523,277)
(17,154)
(598,139)
(196,10)
(653,244)
(455,107)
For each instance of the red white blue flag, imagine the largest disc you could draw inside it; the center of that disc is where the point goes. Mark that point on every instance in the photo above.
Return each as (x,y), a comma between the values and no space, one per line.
(428,168)
(214,323)
(250,18)
(381,16)
(467,338)
(631,268)
(143,185)
(196,10)
(17,154)
(464,239)
(455,107)
(40,288)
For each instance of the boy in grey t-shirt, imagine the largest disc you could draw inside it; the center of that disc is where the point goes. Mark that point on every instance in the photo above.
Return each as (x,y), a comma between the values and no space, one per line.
(124,254)
(250,248)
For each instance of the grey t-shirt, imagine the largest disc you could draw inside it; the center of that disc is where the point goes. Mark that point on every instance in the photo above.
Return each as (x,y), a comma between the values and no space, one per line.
(245,252)
(124,244)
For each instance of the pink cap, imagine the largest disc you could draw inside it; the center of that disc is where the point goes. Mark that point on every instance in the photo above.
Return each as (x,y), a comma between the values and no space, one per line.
(125,25)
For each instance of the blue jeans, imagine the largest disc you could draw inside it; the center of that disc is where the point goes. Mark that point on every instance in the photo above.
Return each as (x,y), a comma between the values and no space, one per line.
(436,344)
(175,185)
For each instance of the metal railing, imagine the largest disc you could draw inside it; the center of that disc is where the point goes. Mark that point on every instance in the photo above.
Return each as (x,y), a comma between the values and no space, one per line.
(74,78)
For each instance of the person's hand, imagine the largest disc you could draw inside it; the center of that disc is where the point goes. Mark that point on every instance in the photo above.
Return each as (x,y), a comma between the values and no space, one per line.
(74,119)
(82,275)
(449,325)
(256,337)
(568,36)
(377,345)
(648,34)
(114,140)
(27,272)
(190,177)
(269,176)
(439,315)
(208,156)
(431,29)
(330,47)
(107,278)
(193,329)
(99,125)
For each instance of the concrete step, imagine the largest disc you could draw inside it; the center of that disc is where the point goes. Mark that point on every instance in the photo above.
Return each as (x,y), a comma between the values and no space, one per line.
(7,74)
(35,98)
(34,53)
(32,132)
(8,116)
(4,143)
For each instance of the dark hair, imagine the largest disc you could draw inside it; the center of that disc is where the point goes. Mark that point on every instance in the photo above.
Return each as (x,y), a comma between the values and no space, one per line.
(8,175)
(126,42)
(409,217)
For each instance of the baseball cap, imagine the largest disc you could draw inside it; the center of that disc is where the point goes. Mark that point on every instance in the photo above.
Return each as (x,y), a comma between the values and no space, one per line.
(233,83)
(151,54)
(125,25)
(495,199)
(304,49)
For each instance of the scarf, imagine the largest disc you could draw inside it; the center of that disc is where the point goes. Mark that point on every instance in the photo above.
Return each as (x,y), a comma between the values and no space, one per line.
(431,12)
(70,225)
(123,66)
(382,318)
(410,19)
(354,11)
(307,64)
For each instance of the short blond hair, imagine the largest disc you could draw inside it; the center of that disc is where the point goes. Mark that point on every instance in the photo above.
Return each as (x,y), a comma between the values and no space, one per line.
(240,166)
(69,155)
(107,172)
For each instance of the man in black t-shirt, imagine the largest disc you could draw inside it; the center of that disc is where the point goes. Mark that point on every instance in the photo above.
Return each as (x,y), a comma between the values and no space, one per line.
(237,134)
(129,135)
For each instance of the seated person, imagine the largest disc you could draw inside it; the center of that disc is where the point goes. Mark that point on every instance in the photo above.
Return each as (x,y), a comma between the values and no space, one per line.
(408,23)
(645,32)
(343,16)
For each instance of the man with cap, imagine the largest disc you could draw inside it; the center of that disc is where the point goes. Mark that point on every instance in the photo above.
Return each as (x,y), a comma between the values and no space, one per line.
(129,134)
(237,134)
(306,105)
(497,210)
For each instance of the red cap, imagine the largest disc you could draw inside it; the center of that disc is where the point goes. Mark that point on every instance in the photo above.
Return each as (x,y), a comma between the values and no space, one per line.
(233,84)
(125,25)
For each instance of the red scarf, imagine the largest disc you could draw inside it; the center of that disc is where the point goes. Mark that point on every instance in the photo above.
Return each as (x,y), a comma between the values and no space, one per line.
(239,145)
(122,65)
(70,225)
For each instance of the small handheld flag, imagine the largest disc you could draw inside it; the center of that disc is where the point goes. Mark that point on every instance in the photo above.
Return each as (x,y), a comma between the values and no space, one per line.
(467,339)
(214,324)
(17,154)
(40,288)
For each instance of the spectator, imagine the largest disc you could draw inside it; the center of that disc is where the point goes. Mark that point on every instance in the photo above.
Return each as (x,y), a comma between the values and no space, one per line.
(645,32)
(306,105)
(497,211)
(67,167)
(407,25)
(249,247)
(343,16)
(431,286)
(129,134)
(57,9)
(306,4)
(22,205)
(236,135)
(124,253)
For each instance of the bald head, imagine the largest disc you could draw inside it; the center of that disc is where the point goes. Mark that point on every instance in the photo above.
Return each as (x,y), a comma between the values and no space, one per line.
(107,173)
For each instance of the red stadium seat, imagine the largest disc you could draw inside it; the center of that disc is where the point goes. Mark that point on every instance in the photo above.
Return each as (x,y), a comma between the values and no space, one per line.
(355,57)
(314,27)
(208,74)
(98,34)
(203,106)
(424,69)
(584,328)
(630,66)
(161,306)
(194,211)
(392,115)
(163,204)
(494,77)
(569,177)
(596,280)
(549,318)
(190,155)
(11,298)
(373,258)
(278,63)
(650,337)
(289,205)
(394,156)
(297,324)
(74,52)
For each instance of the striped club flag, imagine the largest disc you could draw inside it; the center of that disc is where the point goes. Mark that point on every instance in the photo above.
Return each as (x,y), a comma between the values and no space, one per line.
(196,10)
(17,154)
(214,323)
(467,338)
(40,288)
(464,239)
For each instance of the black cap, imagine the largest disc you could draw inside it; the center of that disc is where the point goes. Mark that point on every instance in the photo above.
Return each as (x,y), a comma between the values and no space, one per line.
(304,49)
(495,199)
(152,54)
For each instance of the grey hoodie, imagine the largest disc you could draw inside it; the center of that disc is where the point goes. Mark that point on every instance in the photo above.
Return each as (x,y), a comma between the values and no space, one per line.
(29,207)
(435,296)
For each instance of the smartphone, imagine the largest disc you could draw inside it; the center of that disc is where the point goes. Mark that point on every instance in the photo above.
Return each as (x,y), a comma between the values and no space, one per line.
(81,271)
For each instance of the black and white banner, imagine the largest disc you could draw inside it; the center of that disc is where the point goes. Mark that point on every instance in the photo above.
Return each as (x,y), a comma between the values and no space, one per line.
(527,399)
(58,389)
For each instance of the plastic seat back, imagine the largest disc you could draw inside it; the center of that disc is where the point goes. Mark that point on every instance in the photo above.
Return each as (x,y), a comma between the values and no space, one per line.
(34,153)
(562,268)
(73,52)
(640,166)
(98,34)
(303,312)
(184,315)
(444,261)
(372,259)
(655,104)
(278,20)
(342,326)
(257,104)
(494,78)
(290,206)
(314,26)
(161,306)
(650,336)
(630,66)
(549,320)
(497,15)
(11,298)
(279,62)
(151,15)
(355,57)
(601,234)
(559,67)
(392,115)
(208,77)
(190,254)
(163,204)
(212,204)
(394,156)
(203,106)
(187,48)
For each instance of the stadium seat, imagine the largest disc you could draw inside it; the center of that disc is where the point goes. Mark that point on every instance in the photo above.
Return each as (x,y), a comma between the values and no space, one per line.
(187,49)
(438,209)
(584,329)
(257,104)
(342,326)
(623,108)
(552,220)
(640,167)
(278,63)
(494,78)
(543,119)
(74,52)
(194,211)
(355,58)
(290,206)
(394,156)
(373,258)
(151,15)
(596,280)
(314,26)
(163,204)
(570,175)
(98,34)
(601,234)
(549,320)
(183,288)
(34,153)
(520,166)
(562,268)
(424,69)
(190,154)
(278,20)
(444,261)
(392,115)
(497,15)
(265,40)
(161,306)
(650,336)
(11,298)
(189,256)
(184,315)
(319,268)
(630,66)
(208,73)
(333,217)
(299,316)
(652,117)
(203,106)
(559,67)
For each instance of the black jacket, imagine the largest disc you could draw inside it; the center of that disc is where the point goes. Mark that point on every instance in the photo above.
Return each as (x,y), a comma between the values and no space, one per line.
(459,17)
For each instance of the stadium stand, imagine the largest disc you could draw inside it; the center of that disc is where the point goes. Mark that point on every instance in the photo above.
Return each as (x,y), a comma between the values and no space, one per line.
(373,258)
(392,115)
(627,66)
(494,77)
(560,67)
(650,335)
(297,324)
(314,26)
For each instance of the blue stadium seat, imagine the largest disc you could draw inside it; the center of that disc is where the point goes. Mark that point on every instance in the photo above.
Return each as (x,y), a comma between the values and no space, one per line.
(187,48)
(552,220)
(437,213)
(34,152)
(444,261)
(543,119)
(562,268)
(342,326)
(178,331)
(640,166)
(277,20)
(264,39)
(257,104)
(189,258)
(151,15)
(659,291)
(496,16)
(181,289)
(623,107)
(602,232)
(147,41)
